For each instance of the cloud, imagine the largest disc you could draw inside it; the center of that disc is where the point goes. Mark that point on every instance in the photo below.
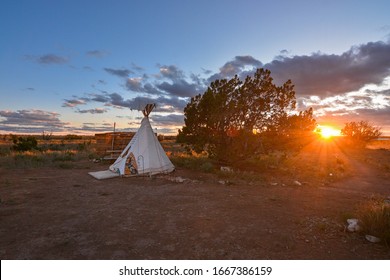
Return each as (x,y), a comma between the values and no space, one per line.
(48,59)
(93,111)
(137,67)
(96,53)
(167,120)
(164,103)
(123,73)
(240,65)
(99,98)
(180,88)
(171,72)
(31,121)
(95,127)
(74,102)
(170,81)
(326,75)
(87,68)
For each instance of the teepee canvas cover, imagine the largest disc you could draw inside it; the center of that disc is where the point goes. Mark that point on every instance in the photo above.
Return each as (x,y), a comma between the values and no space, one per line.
(144,154)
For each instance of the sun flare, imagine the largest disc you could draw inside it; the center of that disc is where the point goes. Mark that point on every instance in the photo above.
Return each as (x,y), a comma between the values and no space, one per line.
(328,132)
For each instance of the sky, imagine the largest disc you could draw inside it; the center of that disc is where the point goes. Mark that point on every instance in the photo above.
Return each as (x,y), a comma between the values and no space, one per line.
(78,67)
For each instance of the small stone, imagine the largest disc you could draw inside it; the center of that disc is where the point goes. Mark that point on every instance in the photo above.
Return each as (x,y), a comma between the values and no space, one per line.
(372,238)
(226,169)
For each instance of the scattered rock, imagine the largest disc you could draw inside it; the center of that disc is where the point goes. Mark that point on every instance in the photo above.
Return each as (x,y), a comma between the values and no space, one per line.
(178,179)
(297,183)
(273,184)
(226,169)
(228,183)
(353,225)
(372,238)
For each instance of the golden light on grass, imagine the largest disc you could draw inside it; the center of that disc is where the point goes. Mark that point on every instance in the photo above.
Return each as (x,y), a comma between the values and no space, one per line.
(327,132)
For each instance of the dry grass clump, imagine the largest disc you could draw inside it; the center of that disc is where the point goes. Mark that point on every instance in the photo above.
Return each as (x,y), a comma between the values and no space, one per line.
(374,218)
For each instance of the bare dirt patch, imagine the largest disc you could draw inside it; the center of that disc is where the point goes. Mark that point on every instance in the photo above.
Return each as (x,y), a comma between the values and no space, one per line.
(54,213)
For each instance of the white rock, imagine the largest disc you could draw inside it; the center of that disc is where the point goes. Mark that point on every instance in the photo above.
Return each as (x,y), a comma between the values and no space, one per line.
(180,179)
(297,183)
(226,169)
(372,238)
(353,225)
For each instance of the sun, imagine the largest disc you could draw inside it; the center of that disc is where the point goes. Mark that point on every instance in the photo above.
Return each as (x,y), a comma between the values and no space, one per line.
(328,131)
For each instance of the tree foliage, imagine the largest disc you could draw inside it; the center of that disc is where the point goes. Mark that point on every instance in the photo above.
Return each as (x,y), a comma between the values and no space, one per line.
(223,120)
(360,132)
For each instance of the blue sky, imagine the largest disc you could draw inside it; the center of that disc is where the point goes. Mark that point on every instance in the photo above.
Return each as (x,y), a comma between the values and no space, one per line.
(80,66)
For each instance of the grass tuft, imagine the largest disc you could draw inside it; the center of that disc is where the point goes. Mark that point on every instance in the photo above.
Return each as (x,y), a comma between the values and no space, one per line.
(374,217)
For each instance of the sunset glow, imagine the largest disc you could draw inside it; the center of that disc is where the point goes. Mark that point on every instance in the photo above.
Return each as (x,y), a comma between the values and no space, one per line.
(328,131)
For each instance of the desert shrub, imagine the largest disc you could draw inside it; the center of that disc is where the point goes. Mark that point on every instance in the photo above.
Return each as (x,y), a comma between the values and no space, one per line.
(374,217)
(72,137)
(4,151)
(27,160)
(360,133)
(198,162)
(37,158)
(63,156)
(23,144)
(207,167)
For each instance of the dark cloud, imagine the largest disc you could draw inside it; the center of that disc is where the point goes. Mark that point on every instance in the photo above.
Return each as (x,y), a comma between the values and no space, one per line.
(48,59)
(376,117)
(171,72)
(240,65)
(52,59)
(123,73)
(326,75)
(31,121)
(99,98)
(164,103)
(180,88)
(96,127)
(135,84)
(175,83)
(92,111)
(74,102)
(171,119)
(96,53)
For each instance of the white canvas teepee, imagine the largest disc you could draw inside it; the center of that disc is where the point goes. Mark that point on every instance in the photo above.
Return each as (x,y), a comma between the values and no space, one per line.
(144,154)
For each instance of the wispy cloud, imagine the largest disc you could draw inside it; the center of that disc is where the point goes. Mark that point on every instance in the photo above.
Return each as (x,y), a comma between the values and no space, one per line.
(96,53)
(93,111)
(123,73)
(48,59)
(75,102)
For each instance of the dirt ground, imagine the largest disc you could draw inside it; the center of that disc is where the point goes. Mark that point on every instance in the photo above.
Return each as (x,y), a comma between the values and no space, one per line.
(52,213)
